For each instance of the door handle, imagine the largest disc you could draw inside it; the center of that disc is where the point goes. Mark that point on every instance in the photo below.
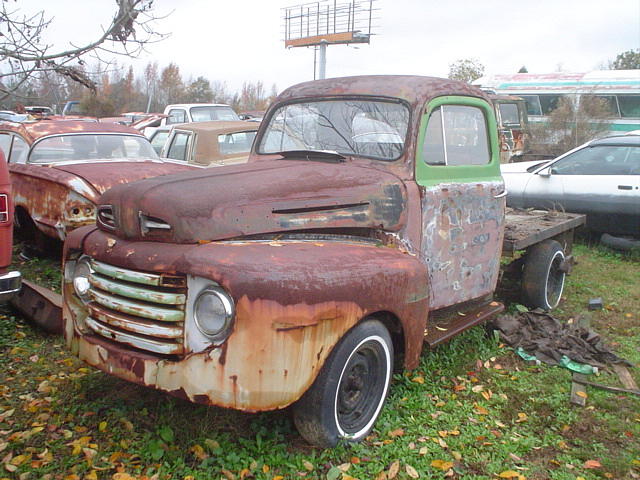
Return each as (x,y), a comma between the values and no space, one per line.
(500,195)
(625,187)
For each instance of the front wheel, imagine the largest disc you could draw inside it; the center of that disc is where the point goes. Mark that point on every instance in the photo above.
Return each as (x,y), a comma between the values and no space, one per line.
(347,396)
(544,275)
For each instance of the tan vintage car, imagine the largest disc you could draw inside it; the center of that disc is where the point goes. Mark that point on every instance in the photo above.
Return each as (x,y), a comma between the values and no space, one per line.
(208,143)
(59,169)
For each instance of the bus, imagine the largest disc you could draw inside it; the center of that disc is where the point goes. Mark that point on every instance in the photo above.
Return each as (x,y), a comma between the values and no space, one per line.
(620,89)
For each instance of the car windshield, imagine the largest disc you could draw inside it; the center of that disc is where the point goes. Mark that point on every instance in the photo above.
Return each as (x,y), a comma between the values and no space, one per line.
(204,114)
(368,128)
(62,148)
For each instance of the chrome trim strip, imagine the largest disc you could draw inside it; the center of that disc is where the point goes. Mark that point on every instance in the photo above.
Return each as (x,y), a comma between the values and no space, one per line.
(146,295)
(136,308)
(125,274)
(148,344)
(137,325)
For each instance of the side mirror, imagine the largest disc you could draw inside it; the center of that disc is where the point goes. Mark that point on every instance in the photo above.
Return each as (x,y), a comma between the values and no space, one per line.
(545,172)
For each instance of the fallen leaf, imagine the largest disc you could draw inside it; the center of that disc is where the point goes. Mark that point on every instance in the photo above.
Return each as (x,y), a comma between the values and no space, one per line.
(398,432)
(522,417)
(199,452)
(229,475)
(423,451)
(393,470)
(102,426)
(456,455)
(511,474)
(442,465)
(418,379)
(582,394)
(344,467)
(592,464)
(308,465)
(411,471)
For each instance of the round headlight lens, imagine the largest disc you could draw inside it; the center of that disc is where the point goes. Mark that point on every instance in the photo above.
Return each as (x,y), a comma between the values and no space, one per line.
(213,312)
(81,283)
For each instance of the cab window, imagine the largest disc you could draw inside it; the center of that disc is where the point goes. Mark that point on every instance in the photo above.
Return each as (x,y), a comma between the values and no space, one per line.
(5,144)
(19,151)
(177,115)
(178,147)
(456,135)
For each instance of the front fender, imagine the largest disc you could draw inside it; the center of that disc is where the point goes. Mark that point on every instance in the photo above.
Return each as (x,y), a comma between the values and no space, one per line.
(294,301)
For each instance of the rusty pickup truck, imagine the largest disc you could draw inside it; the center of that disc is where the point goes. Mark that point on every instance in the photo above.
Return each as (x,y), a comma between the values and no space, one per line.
(369,208)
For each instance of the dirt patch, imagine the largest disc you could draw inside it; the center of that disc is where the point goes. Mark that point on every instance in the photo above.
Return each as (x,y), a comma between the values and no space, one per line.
(542,459)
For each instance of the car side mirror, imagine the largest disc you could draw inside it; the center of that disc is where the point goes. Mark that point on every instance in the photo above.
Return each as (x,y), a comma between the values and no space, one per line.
(545,172)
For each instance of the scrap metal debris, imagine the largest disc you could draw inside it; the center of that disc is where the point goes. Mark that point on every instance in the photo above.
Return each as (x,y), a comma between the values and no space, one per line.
(549,340)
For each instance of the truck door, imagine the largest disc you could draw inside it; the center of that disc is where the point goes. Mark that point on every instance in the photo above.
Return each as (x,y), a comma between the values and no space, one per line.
(463,198)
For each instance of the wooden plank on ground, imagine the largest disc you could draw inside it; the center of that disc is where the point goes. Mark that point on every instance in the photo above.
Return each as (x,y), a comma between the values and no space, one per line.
(578,390)
(625,377)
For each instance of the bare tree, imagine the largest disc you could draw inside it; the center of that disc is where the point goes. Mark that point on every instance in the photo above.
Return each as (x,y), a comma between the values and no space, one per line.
(24,54)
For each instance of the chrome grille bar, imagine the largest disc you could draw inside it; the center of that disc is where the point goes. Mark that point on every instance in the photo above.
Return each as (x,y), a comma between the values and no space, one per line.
(139,309)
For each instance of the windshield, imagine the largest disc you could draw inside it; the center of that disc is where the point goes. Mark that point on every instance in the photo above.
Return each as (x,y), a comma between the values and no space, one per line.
(369,128)
(204,114)
(91,147)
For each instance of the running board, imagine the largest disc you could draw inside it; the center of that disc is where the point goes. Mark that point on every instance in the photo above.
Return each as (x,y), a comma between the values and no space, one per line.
(40,305)
(447,323)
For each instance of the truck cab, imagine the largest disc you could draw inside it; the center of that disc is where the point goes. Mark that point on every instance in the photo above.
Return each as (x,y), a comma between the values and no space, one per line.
(369,206)
(198,112)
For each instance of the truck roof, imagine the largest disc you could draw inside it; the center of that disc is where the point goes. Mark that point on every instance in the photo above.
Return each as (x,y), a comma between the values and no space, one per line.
(189,105)
(412,88)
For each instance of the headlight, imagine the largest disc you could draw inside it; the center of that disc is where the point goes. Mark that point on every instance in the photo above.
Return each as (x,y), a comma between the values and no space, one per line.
(81,274)
(213,313)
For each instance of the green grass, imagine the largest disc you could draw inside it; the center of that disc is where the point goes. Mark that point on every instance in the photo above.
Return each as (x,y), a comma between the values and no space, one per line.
(472,408)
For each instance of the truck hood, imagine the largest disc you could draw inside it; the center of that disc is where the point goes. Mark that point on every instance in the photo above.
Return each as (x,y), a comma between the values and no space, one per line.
(104,175)
(255,198)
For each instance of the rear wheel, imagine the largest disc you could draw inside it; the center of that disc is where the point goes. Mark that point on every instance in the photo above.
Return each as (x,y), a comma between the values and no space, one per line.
(346,398)
(544,275)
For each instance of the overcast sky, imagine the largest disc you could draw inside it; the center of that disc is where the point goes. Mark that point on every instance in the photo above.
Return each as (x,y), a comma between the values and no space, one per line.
(242,40)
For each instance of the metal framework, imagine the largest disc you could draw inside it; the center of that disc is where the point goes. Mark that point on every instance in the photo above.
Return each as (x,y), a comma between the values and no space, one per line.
(327,22)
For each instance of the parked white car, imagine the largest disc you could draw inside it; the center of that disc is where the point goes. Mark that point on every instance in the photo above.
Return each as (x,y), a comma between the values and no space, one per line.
(600,178)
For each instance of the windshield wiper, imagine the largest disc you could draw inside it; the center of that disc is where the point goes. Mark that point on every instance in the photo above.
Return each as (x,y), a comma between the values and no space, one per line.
(329,156)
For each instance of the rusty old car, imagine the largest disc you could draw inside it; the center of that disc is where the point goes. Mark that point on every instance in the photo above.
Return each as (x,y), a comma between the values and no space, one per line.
(369,221)
(59,168)
(208,144)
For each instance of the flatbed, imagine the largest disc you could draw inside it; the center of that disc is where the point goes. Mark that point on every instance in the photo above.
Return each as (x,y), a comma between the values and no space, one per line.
(524,228)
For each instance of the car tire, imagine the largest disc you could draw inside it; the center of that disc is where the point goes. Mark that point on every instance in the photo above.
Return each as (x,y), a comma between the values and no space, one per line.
(544,275)
(347,396)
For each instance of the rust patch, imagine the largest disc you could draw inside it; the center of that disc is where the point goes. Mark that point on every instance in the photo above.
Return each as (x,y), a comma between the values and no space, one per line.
(463,230)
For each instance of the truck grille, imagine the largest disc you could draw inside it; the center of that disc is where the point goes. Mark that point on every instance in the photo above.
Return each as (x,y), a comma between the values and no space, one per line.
(142,310)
